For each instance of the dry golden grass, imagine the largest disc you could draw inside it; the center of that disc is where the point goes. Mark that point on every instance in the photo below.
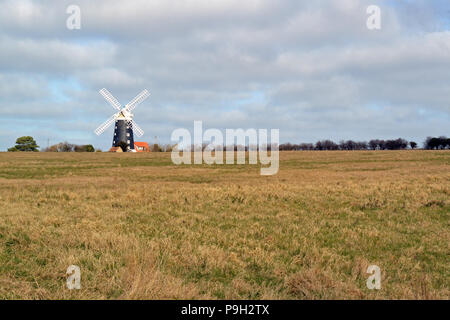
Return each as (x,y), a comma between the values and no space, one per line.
(141,228)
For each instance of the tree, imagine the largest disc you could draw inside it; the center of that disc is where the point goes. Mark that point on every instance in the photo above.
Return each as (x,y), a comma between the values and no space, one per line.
(382,144)
(329,145)
(89,148)
(123,145)
(396,144)
(434,143)
(169,147)
(437,143)
(286,147)
(362,145)
(319,145)
(25,143)
(53,148)
(65,147)
(156,148)
(413,144)
(69,147)
(84,148)
(373,144)
(306,146)
(348,145)
(426,143)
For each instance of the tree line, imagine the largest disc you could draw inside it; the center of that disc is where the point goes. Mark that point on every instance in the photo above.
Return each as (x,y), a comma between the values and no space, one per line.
(439,143)
(27,143)
(430,143)
(70,147)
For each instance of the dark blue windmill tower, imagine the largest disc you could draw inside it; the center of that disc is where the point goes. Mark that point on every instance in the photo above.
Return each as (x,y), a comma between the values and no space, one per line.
(123,132)
(125,127)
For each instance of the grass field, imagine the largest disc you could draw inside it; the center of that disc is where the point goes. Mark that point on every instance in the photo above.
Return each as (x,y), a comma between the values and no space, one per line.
(141,228)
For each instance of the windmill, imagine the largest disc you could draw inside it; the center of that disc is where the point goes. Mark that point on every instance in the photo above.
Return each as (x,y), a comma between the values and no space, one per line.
(125,126)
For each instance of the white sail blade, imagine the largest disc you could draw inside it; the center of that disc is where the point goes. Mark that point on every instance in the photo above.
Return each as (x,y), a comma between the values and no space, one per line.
(136,129)
(109,97)
(137,100)
(105,125)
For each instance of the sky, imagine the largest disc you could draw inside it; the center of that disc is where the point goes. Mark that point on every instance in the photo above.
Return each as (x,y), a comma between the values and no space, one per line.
(311,69)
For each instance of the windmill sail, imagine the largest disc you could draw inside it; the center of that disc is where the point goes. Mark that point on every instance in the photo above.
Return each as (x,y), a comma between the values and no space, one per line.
(125,127)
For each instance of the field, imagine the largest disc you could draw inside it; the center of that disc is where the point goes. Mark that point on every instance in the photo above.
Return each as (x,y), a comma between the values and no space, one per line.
(140,227)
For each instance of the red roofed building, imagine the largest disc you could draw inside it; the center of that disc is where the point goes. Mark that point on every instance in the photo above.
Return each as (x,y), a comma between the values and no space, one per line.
(141,147)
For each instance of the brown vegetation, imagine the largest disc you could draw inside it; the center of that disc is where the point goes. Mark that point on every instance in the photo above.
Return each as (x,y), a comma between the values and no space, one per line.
(142,228)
